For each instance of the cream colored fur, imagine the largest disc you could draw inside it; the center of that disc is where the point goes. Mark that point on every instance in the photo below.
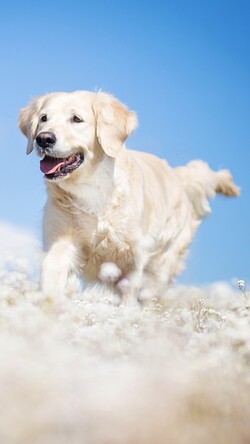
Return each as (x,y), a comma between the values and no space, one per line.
(121,206)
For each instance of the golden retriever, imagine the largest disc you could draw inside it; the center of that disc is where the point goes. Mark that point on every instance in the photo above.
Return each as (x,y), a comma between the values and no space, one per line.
(110,204)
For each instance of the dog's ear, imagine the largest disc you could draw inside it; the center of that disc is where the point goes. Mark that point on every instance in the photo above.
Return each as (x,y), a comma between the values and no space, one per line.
(28,122)
(114,123)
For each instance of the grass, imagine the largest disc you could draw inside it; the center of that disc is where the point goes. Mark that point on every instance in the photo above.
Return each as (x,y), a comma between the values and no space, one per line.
(88,370)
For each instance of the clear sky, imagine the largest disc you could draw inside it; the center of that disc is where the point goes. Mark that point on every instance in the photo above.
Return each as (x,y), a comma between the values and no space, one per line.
(182,65)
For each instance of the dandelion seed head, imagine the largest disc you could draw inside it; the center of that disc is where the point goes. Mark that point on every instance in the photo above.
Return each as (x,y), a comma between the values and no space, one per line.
(109,272)
(241,285)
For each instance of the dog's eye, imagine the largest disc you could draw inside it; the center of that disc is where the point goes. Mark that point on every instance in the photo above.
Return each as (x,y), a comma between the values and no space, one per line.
(43,118)
(77,119)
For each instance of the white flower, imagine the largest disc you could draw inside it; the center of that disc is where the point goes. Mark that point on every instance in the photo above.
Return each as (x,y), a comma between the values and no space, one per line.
(241,285)
(109,272)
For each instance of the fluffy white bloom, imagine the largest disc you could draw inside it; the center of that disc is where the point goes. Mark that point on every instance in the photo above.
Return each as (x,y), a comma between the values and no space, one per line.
(91,370)
(109,272)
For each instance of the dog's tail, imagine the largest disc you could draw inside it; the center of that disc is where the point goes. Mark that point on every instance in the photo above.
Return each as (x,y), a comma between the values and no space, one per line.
(201,183)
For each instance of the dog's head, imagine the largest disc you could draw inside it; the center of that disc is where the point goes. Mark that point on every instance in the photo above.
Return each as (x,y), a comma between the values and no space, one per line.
(69,130)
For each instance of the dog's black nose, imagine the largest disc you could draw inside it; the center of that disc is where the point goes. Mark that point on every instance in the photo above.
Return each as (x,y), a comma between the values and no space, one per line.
(46,139)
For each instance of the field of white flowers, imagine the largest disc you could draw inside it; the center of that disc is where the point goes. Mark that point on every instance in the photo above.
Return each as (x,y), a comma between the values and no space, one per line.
(88,370)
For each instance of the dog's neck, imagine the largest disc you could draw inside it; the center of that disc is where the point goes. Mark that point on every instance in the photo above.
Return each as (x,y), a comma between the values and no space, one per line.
(91,192)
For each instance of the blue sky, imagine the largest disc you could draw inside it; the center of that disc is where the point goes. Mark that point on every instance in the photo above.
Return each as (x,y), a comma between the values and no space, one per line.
(183,66)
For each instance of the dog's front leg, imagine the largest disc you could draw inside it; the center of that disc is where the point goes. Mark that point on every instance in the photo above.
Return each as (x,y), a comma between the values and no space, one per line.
(59,261)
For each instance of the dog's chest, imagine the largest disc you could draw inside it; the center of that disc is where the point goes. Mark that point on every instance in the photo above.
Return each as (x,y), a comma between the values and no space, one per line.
(102,241)
(92,195)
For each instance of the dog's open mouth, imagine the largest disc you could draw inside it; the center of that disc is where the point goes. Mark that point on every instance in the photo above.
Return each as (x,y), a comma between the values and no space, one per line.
(56,167)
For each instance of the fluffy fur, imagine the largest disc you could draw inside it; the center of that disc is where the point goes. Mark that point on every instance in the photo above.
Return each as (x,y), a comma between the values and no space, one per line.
(121,206)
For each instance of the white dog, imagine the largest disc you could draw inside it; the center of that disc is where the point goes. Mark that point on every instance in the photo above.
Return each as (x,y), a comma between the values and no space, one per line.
(107,203)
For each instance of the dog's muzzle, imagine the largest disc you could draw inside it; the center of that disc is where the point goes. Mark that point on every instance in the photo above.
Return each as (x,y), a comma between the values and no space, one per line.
(46,139)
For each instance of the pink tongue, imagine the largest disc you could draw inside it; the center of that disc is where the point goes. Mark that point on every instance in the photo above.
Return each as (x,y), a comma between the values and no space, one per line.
(49,165)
